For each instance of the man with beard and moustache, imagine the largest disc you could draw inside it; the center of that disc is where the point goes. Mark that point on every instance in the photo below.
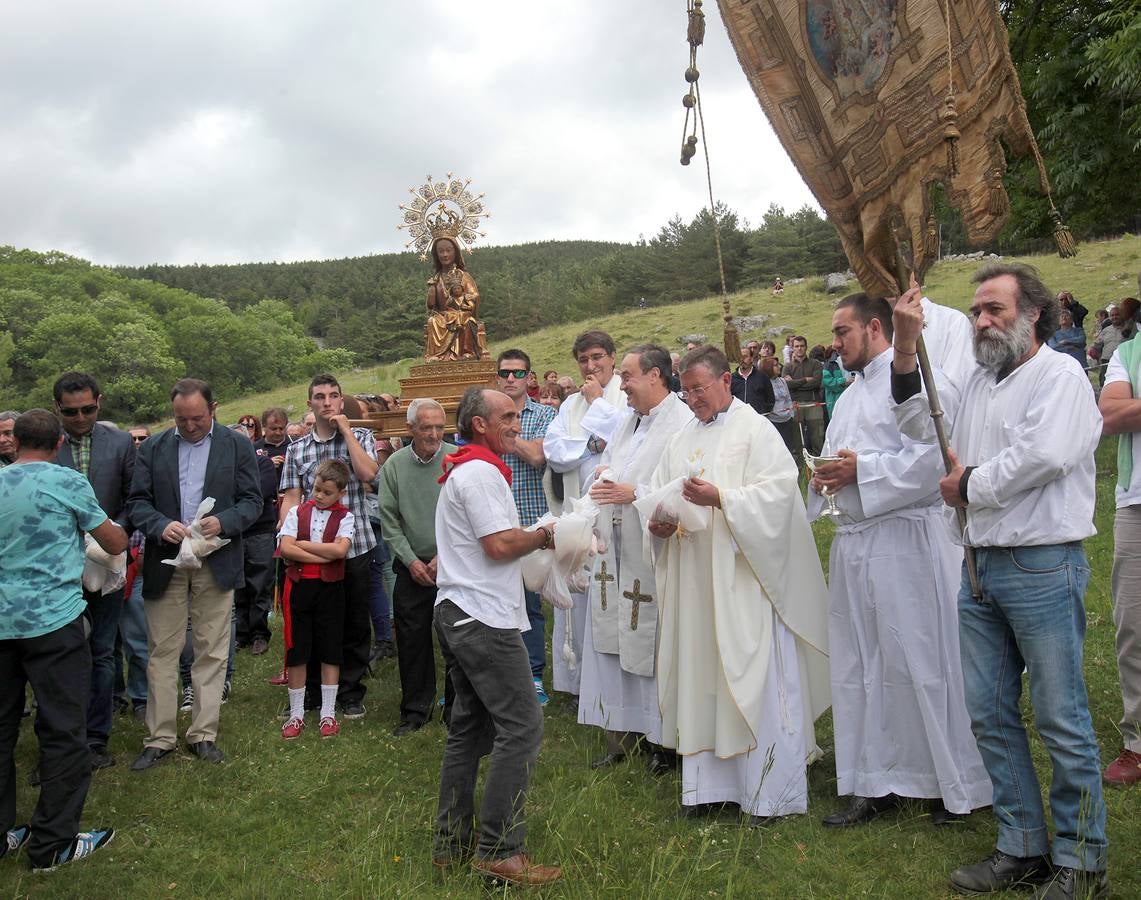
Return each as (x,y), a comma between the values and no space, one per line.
(1023,437)
(899,716)
(573,447)
(618,690)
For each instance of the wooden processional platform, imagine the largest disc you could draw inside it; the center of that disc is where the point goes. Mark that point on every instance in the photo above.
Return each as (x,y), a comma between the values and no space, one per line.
(442,381)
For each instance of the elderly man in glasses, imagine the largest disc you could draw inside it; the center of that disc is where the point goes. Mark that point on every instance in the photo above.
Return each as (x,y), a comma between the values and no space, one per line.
(106,458)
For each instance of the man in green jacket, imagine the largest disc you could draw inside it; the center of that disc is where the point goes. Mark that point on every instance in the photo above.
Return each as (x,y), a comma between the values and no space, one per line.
(407,491)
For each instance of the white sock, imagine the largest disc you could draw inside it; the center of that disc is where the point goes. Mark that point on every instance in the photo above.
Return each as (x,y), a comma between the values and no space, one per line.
(328,700)
(297,703)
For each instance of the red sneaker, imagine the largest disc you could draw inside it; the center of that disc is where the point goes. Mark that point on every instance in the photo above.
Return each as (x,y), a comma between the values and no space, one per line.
(1124,770)
(330,727)
(279,679)
(293,728)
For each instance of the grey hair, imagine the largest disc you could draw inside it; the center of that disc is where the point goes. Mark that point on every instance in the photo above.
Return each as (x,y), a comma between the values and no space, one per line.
(9,414)
(1032,294)
(421,403)
(473,403)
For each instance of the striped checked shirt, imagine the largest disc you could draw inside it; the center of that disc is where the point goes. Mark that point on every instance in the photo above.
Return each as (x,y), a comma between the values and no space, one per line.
(81,453)
(301,461)
(526,480)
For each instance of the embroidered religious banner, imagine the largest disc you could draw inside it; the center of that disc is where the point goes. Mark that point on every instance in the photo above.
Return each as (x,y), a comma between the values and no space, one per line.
(877,99)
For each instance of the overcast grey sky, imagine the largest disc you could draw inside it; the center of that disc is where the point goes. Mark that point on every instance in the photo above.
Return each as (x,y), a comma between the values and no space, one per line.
(136,132)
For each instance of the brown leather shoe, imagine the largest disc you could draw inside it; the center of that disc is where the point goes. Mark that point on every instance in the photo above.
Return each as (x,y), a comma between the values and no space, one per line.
(1124,770)
(517,869)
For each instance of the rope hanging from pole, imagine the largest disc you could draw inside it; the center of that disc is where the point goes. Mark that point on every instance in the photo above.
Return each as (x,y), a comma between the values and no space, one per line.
(695,35)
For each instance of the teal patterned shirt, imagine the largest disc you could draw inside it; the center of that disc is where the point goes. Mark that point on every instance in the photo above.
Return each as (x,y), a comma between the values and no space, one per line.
(45,508)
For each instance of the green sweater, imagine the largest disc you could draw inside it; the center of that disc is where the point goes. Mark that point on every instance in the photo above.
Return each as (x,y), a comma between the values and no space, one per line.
(406,493)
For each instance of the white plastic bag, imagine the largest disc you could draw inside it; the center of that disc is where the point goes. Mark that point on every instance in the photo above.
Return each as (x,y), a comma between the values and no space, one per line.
(102,572)
(556,575)
(196,546)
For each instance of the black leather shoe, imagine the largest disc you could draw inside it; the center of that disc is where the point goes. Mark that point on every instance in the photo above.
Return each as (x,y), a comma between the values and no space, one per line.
(1074,883)
(406,728)
(940,815)
(999,872)
(100,758)
(610,759)
(207,751)
(699,810)
(662,761)
(148,758)
(861,811)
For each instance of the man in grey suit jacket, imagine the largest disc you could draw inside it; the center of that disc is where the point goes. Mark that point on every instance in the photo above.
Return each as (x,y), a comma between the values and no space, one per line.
(176,470)
(106,457)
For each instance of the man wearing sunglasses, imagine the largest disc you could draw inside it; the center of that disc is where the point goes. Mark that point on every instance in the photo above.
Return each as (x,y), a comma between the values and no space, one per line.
(528,463)
(106,458)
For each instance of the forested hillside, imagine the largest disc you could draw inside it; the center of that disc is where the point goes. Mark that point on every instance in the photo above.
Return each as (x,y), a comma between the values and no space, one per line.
(374,306)
(59,313)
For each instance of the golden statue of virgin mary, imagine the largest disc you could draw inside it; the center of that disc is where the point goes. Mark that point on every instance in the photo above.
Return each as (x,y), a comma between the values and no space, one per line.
(442,219)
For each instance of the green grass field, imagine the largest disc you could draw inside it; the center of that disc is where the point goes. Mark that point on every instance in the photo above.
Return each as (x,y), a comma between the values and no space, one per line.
(352,817)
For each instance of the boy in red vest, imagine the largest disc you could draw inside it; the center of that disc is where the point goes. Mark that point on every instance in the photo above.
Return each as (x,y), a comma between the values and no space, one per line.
(315,540)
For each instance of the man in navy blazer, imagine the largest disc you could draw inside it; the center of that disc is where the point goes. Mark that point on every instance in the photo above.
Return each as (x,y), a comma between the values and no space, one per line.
(106,457)
(174,471)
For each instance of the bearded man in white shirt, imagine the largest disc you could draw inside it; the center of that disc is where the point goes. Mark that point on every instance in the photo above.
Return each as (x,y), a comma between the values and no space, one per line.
(898,712)
(1023,437)
(573,445)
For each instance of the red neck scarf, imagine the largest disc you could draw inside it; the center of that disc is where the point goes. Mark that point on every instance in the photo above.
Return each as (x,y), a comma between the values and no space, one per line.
(467,453)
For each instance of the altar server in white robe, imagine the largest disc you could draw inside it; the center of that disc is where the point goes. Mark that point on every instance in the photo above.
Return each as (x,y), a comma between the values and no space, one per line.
(573,446)
(898,709)
(950,340)
(742,651)
(618,691)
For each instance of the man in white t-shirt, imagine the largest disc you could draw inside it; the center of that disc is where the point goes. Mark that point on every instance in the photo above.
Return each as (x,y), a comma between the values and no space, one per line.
(479,616)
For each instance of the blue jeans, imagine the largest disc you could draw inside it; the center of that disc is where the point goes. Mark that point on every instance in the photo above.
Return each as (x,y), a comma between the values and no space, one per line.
(133,630)
(103,610)
(535,639)
(1032,615)
(380,610)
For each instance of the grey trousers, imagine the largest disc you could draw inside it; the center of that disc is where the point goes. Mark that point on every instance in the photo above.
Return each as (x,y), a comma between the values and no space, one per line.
(1126,581)
(495,711)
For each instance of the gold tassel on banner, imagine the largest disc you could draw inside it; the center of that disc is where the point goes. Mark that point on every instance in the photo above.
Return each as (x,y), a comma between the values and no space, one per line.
(1063,237)
(997,204)
(951,134)
(931,240)
(732,338)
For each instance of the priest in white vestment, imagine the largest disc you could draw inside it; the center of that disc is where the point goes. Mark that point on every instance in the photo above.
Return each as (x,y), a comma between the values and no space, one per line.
(898,708)
(742,651)
(573,446)
(618,690)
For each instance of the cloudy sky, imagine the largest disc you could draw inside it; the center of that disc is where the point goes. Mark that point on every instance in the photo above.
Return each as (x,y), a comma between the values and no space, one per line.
(136,132)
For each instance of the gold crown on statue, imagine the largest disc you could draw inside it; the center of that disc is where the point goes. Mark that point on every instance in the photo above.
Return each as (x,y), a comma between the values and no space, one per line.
(443,209)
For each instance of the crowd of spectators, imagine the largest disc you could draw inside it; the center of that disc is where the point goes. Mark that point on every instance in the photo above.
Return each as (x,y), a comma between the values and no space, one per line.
(227,538)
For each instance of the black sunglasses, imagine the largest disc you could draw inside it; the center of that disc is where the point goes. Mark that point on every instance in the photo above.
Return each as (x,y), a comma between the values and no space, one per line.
(73,411)
(519,374)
